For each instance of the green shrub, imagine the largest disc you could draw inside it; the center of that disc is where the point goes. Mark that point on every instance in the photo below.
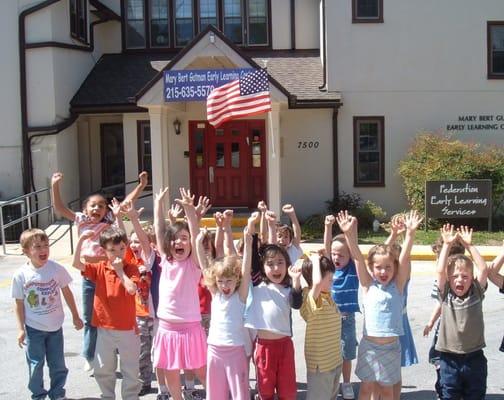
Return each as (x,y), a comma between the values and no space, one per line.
(440,157)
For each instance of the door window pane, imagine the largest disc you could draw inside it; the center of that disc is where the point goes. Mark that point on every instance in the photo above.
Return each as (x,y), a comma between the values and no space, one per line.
(160,23)
(257,22)
(233,28)
(235,155)
(112,152)
(135,25)
(184,23)
(367,9)
(208,13)
(219,155)
(200,155)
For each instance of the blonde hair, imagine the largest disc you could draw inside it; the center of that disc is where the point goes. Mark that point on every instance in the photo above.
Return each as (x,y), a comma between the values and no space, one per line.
(227,267)
(30,235)
(384,250)
(459,260)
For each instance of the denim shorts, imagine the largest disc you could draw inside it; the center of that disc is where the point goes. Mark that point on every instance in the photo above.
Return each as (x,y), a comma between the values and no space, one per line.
(348,337)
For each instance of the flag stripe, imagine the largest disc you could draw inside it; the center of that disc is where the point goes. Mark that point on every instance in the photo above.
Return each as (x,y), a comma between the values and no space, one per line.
(238,100)
(240,106)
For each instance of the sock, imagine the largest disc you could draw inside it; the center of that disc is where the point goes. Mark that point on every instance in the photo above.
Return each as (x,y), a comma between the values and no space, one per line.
(163,389)
(189,384)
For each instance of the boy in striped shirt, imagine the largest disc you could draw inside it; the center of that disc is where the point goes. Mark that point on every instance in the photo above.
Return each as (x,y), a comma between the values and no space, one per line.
(323,330)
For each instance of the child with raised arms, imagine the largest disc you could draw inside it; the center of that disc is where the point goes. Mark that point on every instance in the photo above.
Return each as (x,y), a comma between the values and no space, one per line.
(379,356)
(180,342)
(228,280)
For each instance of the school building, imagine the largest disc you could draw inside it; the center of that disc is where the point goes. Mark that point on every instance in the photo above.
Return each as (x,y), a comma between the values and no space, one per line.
(352,82)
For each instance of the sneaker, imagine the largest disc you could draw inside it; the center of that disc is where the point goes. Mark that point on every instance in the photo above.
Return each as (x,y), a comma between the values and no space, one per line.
(193,394)
(88,366)
(163,396)
(347,391)
(145,390)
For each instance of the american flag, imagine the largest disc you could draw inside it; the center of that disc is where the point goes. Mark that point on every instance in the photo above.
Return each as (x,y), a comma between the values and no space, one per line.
(244,97)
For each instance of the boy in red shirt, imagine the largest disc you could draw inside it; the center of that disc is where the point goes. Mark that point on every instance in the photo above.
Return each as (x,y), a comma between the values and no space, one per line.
(113,314)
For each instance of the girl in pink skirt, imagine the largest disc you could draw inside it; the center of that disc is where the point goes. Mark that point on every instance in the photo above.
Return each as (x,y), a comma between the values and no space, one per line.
(180,342)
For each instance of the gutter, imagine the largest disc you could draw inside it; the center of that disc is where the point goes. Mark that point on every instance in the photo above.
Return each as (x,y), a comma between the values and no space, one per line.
(293,24)
(324,48)
(26,139)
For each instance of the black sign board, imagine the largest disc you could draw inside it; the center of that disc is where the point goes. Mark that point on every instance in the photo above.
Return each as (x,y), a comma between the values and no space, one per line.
(458,199)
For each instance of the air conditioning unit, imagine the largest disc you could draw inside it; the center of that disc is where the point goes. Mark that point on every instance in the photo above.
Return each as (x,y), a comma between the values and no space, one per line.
(12,212)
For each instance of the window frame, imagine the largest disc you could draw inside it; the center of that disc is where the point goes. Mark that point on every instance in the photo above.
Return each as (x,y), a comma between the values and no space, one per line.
(490,73)
(141,124)
(381,147)
(81,11)
(367,20)
(196,18)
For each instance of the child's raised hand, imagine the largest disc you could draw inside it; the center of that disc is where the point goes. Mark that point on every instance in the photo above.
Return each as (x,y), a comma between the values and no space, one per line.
(448,234)
(159,196)
(219,219)
(128,209)
(262,207)
(247,235)
(346,222)
(116,208)
(56,178)
(397,224)
(329,220)
(88,234)
(203,206)
(175,211)
(270,217)
(228,216)
(412,220)
(465,235)
(288,209)
(294,271)
(143,178)
(254,218)
(187,198)
(78,324)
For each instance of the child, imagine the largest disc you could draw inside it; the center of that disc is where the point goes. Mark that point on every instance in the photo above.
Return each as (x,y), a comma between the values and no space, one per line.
(344,291)
(180,341)
(497,279)
(96,217)
(270,314)
(463,366)
(113,313)
(323,330)
(228,280)
(36,287)
(379,357)
(286,237)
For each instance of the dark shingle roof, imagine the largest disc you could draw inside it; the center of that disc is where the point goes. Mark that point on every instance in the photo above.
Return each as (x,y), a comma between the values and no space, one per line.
(116,79)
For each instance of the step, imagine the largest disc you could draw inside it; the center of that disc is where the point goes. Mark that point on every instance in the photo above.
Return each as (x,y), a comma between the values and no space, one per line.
(236,222)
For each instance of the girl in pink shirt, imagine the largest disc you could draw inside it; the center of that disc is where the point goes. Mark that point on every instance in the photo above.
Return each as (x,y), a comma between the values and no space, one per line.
(180,342)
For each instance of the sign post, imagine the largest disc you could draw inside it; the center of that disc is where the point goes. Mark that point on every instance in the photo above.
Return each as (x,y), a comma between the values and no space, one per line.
(459,199)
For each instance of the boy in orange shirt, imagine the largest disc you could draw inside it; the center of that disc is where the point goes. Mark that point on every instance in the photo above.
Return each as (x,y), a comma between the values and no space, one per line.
(113,314)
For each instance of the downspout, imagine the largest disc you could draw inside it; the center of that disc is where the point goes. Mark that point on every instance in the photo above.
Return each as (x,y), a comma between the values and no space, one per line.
(324,48)
(335,152)
(27,164)
(293,24)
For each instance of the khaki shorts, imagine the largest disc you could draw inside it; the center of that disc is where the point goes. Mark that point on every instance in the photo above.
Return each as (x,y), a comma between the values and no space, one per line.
(323,385)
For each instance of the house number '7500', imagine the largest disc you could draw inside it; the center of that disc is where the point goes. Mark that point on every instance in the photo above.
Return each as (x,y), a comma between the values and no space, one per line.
(313,144)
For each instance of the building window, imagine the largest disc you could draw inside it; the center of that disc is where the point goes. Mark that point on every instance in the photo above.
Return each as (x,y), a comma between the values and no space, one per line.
(144,150)
(369,153)
(495,43)
(78,19)
(367,11)
(208,14)
(174,23)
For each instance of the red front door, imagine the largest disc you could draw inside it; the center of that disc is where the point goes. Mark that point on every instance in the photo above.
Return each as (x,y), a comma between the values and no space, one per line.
(228,164)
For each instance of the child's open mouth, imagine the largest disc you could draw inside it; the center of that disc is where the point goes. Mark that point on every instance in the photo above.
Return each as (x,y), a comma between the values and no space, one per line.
(226,291)
(277,276)
(459,288)
(383,278)
(179,251)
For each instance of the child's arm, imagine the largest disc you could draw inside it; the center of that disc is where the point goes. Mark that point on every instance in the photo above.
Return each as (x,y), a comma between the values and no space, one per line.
(143,180)
(411,223)
(219,235)
(465,235)
(296,227)
(133,215)
(328,224)
(187,203)
(493,271)
(229,247)
(448,235)
(436,312)
(202,207)
(159,222)
(20,317)
(200,250)
(174,212)
(396,228)
(128,284)
(115,207)
(69,299)
(247,256)
(316,277)
(76,260)
(296,294)
(263,226)
(272,229)
(58,204)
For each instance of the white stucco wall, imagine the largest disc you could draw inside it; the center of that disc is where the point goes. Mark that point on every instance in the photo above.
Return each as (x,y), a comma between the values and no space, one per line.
(307,24)
(10,109)
(281,24)
(307,174)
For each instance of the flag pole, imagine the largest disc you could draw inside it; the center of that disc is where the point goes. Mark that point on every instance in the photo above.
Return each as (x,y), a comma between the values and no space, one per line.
(270,119)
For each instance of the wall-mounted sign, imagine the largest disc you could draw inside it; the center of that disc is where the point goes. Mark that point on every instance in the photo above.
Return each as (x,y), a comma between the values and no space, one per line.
(196,84)
(477,123)
(458,199)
